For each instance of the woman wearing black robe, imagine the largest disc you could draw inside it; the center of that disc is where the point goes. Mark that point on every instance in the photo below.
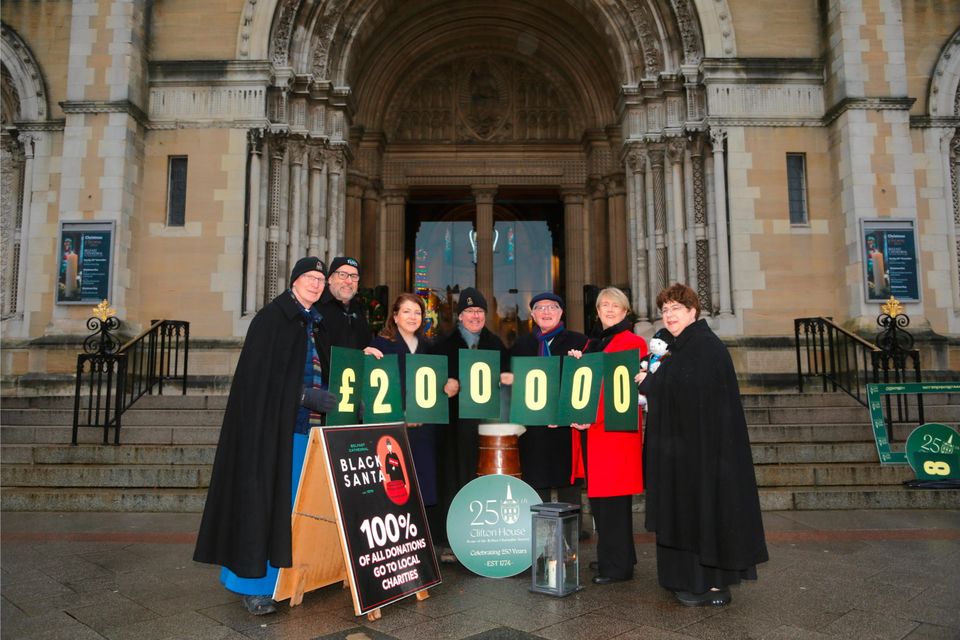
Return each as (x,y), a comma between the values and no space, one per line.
(701,490)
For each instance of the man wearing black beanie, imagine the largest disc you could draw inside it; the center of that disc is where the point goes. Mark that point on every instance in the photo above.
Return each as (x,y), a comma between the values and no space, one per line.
(278,392)
(343,315)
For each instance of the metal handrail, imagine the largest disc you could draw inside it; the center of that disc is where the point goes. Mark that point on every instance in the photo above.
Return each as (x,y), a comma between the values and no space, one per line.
(117,376)
(844,361)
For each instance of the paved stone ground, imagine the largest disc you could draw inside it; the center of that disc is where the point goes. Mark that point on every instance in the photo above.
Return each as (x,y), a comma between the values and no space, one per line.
(832,574)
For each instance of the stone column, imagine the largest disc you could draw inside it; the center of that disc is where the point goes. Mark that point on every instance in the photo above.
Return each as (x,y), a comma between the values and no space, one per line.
(677,266)
(353,223)
(278,148)
(317,219)
(700,248)
(335,204)
(17,164)
(636,165)
(483,196)
(395,214)
(574,234)
(659,220)
(600,244)
(619,252)
(255,150)
(369,245)
(294,215)
(718,137)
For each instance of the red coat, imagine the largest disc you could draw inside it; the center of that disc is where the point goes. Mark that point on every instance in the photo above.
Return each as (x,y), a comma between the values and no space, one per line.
(614,458)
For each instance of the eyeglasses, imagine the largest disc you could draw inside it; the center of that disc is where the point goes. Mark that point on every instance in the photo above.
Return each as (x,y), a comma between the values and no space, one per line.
(315,279)
(474,312)
(672,309)
(540,308)
(343,275)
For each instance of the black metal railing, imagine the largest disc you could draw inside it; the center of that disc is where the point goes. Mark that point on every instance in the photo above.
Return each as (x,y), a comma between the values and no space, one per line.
(111,377)
(844,361)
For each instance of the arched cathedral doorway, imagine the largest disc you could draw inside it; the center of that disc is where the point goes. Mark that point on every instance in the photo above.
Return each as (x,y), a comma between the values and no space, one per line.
(575,130)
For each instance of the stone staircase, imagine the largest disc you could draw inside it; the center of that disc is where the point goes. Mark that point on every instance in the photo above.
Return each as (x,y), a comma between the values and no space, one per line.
(811,451)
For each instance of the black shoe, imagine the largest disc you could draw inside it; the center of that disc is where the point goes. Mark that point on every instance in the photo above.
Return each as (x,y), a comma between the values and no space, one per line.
(607,580)
(259,605)
(719,598)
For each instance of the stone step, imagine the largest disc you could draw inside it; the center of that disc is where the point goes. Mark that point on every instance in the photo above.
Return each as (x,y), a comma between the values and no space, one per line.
(103,499)
(808,453)
(94,475)
(99,454)
(817,398)
(857,497)
(141,417)
(45,434)
(148,402)
(831,474)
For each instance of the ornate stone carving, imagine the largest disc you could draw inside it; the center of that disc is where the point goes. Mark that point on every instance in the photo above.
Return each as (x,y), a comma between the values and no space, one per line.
(323,35)
(689,33)
(759,101)
(718,137)
(642,21)
(255,141)
(675,149)
(282,29)
(703,275)
(483,99)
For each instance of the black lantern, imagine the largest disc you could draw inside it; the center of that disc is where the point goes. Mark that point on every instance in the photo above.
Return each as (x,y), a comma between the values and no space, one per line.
(556,548)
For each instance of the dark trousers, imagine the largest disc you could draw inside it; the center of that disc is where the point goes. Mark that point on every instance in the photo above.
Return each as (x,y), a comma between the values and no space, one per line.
(613,518)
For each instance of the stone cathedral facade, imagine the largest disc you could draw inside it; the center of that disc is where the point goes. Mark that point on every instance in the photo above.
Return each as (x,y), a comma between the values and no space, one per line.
(745,147)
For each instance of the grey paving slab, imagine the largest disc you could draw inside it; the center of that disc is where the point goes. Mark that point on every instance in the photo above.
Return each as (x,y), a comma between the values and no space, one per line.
(119,576)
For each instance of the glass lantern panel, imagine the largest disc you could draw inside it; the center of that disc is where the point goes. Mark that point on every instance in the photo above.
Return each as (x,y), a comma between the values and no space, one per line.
(545,555)
(571,561)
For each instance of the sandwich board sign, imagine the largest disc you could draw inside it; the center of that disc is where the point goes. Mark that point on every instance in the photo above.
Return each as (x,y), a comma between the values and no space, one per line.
(358,517)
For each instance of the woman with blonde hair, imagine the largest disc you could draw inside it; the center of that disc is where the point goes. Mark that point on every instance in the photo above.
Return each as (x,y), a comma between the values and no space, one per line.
(611,461)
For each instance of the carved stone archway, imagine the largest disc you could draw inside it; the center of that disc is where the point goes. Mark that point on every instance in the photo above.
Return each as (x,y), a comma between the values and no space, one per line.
(601,99)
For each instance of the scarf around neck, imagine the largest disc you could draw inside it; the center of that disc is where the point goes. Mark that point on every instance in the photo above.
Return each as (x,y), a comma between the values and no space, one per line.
(472,339)
(599,339)
(543,339)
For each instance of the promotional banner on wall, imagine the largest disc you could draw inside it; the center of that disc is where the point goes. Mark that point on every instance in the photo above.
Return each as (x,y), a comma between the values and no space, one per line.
(890,262)
(84,262)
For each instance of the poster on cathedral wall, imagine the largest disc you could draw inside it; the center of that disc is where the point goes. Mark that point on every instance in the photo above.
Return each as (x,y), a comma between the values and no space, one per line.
(84,262)
(890,265)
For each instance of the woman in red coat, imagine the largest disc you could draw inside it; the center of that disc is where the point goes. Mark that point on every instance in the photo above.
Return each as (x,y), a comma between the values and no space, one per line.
(611,461)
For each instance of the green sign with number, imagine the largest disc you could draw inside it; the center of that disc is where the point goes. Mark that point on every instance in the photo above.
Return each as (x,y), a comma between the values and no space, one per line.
(382,398)
(580,389)
(479,384)
(933,451)
(536,390)
(489,525)
(620,408)
(426,401)
(346,381)
(880,434)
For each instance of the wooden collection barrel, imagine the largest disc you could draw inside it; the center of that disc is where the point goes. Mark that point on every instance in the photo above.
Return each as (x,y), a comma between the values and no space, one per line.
(499,451)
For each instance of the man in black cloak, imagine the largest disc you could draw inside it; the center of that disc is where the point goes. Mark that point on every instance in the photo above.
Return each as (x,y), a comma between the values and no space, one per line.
(275,397)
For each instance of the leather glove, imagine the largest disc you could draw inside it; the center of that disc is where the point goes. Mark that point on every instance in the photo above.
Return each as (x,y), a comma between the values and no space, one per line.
(319,400)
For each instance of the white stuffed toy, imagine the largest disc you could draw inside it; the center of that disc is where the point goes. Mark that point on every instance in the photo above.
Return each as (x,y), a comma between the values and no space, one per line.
(660,345)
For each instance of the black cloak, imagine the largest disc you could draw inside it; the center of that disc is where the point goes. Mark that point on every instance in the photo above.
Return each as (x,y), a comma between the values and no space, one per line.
(701,489)
(346,324)
(457,442)
(246,519)
(545,454)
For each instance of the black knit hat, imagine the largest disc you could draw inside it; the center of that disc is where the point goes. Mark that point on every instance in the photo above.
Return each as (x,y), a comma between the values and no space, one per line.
(470,297)
(310,263)
(339,261)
